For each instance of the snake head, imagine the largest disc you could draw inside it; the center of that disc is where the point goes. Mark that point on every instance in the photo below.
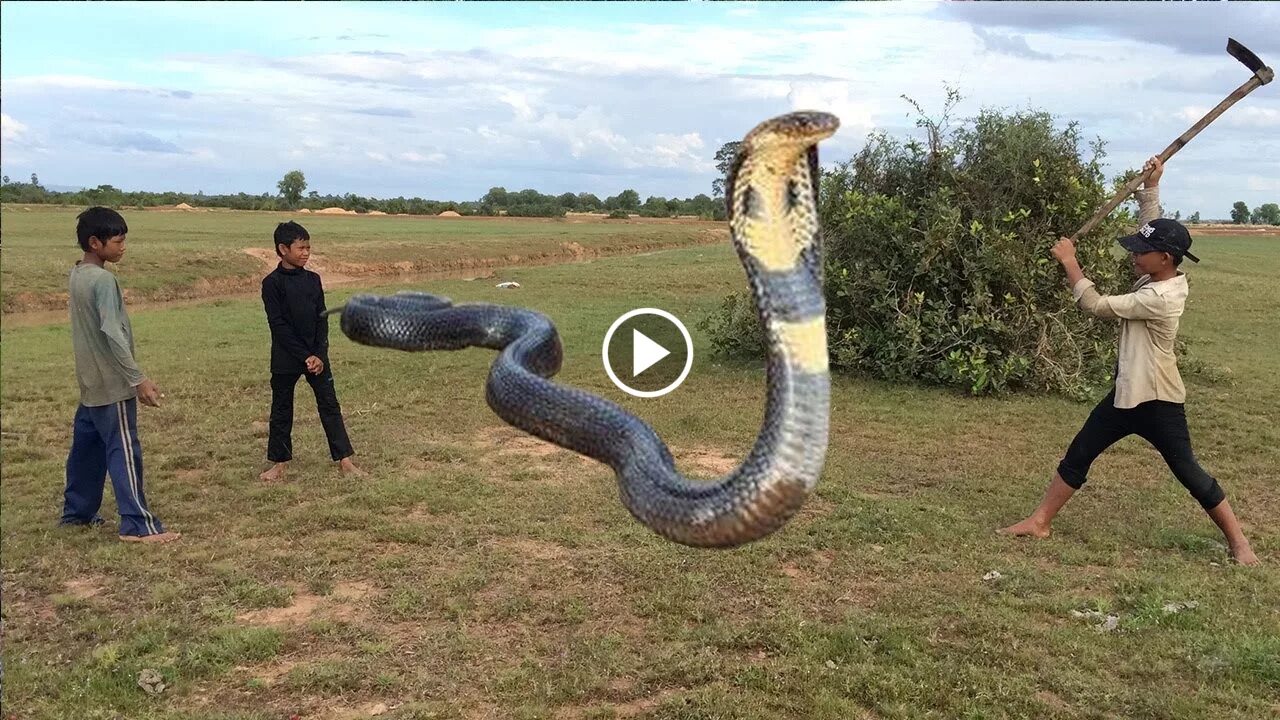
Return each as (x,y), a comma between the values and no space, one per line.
(774,152)
(796,132)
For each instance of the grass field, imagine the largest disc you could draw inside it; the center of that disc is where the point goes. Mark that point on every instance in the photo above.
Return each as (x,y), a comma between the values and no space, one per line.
(217,252)
(479,573)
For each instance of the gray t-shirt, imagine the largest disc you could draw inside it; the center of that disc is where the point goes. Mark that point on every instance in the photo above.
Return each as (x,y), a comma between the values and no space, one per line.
(101,338)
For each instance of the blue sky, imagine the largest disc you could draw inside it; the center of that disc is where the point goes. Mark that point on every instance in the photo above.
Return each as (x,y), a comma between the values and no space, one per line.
(446,100)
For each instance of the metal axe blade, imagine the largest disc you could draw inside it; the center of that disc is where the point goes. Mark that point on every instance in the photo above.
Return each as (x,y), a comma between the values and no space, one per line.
(1251,61)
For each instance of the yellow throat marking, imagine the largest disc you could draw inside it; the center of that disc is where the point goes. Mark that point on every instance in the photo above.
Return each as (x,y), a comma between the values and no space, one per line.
(805,343)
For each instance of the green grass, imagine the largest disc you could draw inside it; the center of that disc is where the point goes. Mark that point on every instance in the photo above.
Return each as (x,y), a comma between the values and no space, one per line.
(196,254)
(474,574)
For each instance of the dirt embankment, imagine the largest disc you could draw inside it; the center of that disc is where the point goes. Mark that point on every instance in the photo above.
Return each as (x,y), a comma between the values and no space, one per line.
(1241,230)
(39,308)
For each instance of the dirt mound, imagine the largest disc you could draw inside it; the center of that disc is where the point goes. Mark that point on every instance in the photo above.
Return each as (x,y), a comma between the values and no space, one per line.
(450,213)
(305,211)
(335,211)
(376,212)
(183,206)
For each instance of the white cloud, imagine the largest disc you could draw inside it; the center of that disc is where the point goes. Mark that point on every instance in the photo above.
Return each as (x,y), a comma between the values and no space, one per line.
(414,157)
(10,129)
(1258,183)
(856,116)
(685,151)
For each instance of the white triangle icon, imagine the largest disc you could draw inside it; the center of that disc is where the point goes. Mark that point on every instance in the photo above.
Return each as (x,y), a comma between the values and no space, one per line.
(644,352)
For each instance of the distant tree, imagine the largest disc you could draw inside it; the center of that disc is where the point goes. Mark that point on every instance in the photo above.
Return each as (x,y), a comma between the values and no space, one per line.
(497,196)
(724,161)
(1177,214)
(1267,214)
(291,187)
(629,200)
(703,206)
(1239,213)
(568,201)
(35,181)
(1194,218)
(588,201)
(655,206)
(5,180)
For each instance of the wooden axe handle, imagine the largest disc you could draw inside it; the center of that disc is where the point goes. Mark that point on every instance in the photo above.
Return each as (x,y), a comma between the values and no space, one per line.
(1252,84)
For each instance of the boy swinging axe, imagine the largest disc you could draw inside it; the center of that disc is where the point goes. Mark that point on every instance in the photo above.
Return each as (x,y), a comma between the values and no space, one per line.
(1148,397)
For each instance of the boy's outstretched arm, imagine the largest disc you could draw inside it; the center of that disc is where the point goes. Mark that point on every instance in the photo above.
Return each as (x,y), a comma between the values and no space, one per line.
(1142,304)
(1149,194)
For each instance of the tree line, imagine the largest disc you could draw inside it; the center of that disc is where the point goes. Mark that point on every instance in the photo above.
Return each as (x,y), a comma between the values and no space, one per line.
(1264,214)
(292,195)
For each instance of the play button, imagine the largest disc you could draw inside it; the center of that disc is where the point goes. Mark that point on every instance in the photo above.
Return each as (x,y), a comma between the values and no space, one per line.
(644,352)
(653,346)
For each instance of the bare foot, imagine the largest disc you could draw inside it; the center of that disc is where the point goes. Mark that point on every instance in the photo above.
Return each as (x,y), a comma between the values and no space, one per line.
(1029,527)
(349,468)
(1244,555)
(157,539)
(276,472)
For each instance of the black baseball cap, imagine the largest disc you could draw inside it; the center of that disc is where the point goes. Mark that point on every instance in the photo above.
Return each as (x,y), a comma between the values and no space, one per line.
(1163,235)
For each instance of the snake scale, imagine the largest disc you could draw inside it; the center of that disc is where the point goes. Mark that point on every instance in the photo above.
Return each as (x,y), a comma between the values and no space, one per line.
(772,198)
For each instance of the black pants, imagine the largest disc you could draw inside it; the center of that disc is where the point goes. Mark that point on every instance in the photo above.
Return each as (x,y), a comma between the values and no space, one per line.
(1161,423)
(280,438)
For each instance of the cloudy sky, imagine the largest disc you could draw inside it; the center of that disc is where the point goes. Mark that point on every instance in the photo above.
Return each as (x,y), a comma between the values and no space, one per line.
(446,100)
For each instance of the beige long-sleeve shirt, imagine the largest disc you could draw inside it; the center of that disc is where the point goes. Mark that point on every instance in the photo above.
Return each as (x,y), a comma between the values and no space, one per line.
(1148,314)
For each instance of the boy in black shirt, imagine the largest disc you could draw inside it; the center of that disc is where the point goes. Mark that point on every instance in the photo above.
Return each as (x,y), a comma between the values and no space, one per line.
(294,300)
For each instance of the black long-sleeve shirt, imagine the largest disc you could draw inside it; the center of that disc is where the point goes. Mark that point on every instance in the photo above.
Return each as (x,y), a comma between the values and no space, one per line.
(294,300)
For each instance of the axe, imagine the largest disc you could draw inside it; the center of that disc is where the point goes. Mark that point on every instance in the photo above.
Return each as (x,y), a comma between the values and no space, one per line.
(1261,76)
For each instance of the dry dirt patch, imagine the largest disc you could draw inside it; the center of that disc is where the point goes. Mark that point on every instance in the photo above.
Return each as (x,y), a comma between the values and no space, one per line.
(83,588)
(347,601)
(504,440)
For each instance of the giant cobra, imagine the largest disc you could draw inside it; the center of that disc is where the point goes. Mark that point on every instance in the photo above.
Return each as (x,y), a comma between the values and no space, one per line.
(773,220)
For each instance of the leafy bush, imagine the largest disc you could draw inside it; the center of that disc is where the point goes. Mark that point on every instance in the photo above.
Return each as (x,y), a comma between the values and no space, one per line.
(618,215)
(938,268)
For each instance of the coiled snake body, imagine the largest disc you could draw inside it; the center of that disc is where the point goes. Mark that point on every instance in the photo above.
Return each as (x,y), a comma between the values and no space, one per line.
(772,191)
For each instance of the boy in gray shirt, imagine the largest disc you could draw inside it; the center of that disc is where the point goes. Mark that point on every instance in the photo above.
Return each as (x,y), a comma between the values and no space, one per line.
(105,432)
